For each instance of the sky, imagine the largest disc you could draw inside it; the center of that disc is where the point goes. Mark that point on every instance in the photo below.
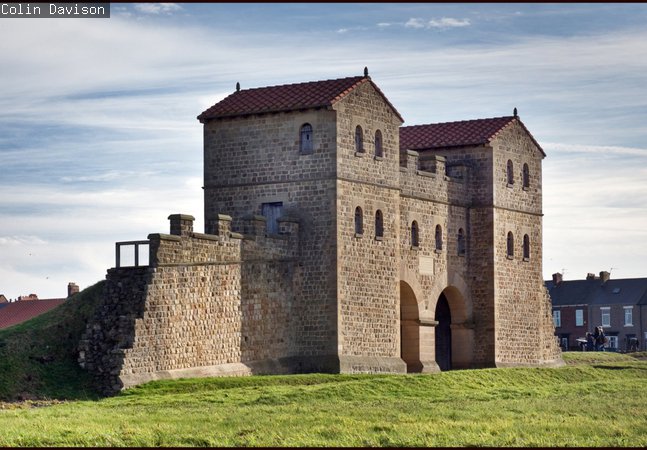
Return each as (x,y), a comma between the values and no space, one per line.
(99,140)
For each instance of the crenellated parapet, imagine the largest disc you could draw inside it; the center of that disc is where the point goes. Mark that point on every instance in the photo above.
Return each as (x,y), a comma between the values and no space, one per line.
(430,176)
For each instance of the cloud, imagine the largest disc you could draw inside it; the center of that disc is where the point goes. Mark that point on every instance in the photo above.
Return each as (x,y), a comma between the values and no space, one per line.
(414,23)
(448,22)
(157,8)
(383,25)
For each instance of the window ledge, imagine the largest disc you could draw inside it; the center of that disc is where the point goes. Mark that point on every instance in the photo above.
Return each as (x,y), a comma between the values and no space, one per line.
(360,154)
(415,247)
(461,255)
(509,185)
(359,235)
(378,158)
(526,259)
(379,238)
(509,257)
(629,325)
(438,250)
(525,188)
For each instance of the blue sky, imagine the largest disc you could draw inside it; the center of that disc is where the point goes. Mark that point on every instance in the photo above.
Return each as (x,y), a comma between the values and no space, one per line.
(99,140)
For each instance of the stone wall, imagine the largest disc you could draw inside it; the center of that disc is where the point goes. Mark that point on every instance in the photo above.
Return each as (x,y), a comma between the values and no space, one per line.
(215,304)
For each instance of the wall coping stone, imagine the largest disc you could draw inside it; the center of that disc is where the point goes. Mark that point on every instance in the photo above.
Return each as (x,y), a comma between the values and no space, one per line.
(181,217)
(164,237)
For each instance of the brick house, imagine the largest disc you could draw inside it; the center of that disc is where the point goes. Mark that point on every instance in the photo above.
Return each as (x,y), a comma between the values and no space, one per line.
(27,307)
(337,240)
(619,306)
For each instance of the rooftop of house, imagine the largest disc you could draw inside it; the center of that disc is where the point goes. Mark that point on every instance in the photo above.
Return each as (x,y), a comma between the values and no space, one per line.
(287,97)
(598,291)
(20,311)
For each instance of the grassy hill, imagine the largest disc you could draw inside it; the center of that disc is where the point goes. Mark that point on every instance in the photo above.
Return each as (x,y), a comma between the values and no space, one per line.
(38,357)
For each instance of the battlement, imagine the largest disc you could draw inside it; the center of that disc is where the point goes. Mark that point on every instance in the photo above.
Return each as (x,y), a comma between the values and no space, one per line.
(431,176)
(219,244)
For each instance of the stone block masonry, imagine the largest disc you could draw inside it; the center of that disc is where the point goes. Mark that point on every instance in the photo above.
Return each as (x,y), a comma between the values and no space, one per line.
(215,304)
(329,247)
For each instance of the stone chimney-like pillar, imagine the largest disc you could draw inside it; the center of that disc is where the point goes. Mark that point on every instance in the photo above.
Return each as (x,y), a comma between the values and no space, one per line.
(219,225)
(604,276)
(557,278)
(72,288)
(181,224)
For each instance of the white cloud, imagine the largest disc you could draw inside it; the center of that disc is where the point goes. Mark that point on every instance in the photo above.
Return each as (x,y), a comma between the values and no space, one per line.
(157,8)
(448,22)
(383,25)
(415,23)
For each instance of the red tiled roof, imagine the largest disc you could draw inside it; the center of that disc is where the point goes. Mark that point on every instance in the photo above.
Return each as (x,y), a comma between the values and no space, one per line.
(18,312)
(288,97)
(455,134)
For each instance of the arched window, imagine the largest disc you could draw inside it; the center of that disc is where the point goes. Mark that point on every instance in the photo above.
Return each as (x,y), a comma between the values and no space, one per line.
(359,139)
(439,237)
(526,247)
(305,139)
(415,240)
(510,245)
(510,172)
(461,241)
(359,221)
(378,144)
(379,224)
(526,176)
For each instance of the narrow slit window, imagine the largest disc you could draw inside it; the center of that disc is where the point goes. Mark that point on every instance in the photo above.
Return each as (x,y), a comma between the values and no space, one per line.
(305,139)
(461,241)
(439,237)
(510,172)
(415,238)
(359,139)
(378,144)
(359,221)
(379,224)
(526,176)
(510,245)
(526,247)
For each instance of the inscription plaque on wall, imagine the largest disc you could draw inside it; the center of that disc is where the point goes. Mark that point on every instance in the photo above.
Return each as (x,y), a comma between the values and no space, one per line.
(426,265)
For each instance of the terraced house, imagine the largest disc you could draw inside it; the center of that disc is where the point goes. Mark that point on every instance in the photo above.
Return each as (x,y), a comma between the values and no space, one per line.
(338,240)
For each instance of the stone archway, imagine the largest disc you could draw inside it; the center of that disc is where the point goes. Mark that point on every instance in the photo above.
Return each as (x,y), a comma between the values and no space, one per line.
(409,328)
(454,331)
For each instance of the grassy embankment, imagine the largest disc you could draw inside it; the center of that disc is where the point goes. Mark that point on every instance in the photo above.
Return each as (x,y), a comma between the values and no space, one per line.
(599,399)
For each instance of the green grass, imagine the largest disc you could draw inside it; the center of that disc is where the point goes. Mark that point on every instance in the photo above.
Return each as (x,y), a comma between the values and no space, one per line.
(38,358)
(598,399)
(603,404)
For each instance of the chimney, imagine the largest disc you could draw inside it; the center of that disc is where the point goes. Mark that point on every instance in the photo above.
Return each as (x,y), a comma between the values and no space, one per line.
(604,276)
(590,276)
(72,288)
(557,278)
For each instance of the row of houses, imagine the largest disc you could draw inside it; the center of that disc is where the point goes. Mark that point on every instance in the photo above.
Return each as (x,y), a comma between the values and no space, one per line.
(619,306)
(25,307)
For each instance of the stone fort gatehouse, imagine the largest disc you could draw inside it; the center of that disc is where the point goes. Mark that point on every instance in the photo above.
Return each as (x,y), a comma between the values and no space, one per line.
(337,240)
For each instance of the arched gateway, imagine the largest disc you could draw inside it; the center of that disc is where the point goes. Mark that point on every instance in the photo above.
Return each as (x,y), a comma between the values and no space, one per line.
(443,341)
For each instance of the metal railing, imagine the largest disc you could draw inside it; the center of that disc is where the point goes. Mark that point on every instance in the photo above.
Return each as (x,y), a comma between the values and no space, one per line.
(137,259)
